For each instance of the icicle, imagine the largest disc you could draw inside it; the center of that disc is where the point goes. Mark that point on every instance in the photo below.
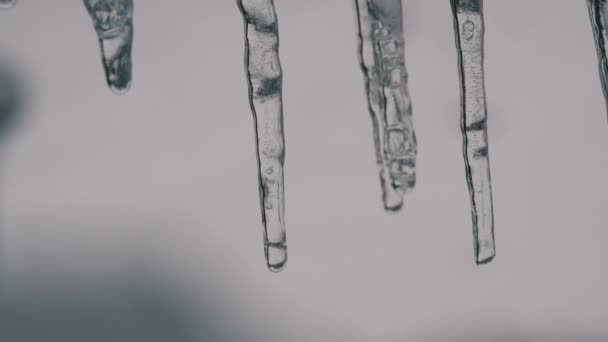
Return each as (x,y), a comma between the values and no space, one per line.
(264,78)
(382,59)
(6,4)
(469,29)
(114,25)
(598,13)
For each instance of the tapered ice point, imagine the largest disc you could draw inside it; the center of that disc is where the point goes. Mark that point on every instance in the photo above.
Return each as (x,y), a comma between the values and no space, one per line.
(469,29)
(264,78)
(382,59)
(276,256)
(113,22)
(598,13)
(6,4)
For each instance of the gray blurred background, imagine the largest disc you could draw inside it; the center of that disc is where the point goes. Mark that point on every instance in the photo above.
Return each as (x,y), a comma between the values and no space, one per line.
(136,218)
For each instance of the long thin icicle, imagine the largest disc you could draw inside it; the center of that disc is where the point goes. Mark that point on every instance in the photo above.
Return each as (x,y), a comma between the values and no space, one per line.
(113,22)
(598,13)
(469,29)
(264,78)
(382,59)
(6,4)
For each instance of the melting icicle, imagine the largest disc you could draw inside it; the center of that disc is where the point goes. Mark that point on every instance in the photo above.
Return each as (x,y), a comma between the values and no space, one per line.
(469,29)
(264,78)
(6,4)
(382,58)
(598,13)
(114,25)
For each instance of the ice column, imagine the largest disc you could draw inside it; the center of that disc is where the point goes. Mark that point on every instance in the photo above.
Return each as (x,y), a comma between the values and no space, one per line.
(469,29)
(264,78)
(382,59)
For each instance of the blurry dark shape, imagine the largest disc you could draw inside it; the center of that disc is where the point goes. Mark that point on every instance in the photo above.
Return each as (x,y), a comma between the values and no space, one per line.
(6,4)
(113,22)
(469,30)
(122,308)
(11,98)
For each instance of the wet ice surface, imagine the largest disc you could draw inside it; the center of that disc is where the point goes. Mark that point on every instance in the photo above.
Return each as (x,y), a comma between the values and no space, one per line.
(6,4)
(469,29)
(113,23)
(598,12)
(264,78)
(382,58)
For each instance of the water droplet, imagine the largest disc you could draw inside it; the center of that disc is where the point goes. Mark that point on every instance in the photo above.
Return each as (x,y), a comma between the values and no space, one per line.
(468,29)
(396,77)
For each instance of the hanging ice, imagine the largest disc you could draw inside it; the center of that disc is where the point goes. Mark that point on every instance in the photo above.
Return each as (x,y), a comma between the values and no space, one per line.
(598,13)
(113,22)
(382,59)
(469,29)
(6,4)
(264,78)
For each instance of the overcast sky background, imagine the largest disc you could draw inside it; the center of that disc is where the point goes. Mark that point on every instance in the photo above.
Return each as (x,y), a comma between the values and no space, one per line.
(136,217)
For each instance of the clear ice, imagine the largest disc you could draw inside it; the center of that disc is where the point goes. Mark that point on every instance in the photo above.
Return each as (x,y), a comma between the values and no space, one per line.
(6,4)
(113,22)
(598,13)
(382,59)
(264,78)
(469,29)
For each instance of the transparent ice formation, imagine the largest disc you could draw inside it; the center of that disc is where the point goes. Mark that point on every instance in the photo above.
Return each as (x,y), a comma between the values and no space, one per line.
(598,13)
(264,78)
(6,4)
(113,22)
(469,29)
(382,59)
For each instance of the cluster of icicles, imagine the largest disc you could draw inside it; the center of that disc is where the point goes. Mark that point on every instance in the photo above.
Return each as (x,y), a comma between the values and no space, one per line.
(382,58)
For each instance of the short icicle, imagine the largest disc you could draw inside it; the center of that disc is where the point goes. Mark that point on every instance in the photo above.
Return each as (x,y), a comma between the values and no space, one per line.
(113,22)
